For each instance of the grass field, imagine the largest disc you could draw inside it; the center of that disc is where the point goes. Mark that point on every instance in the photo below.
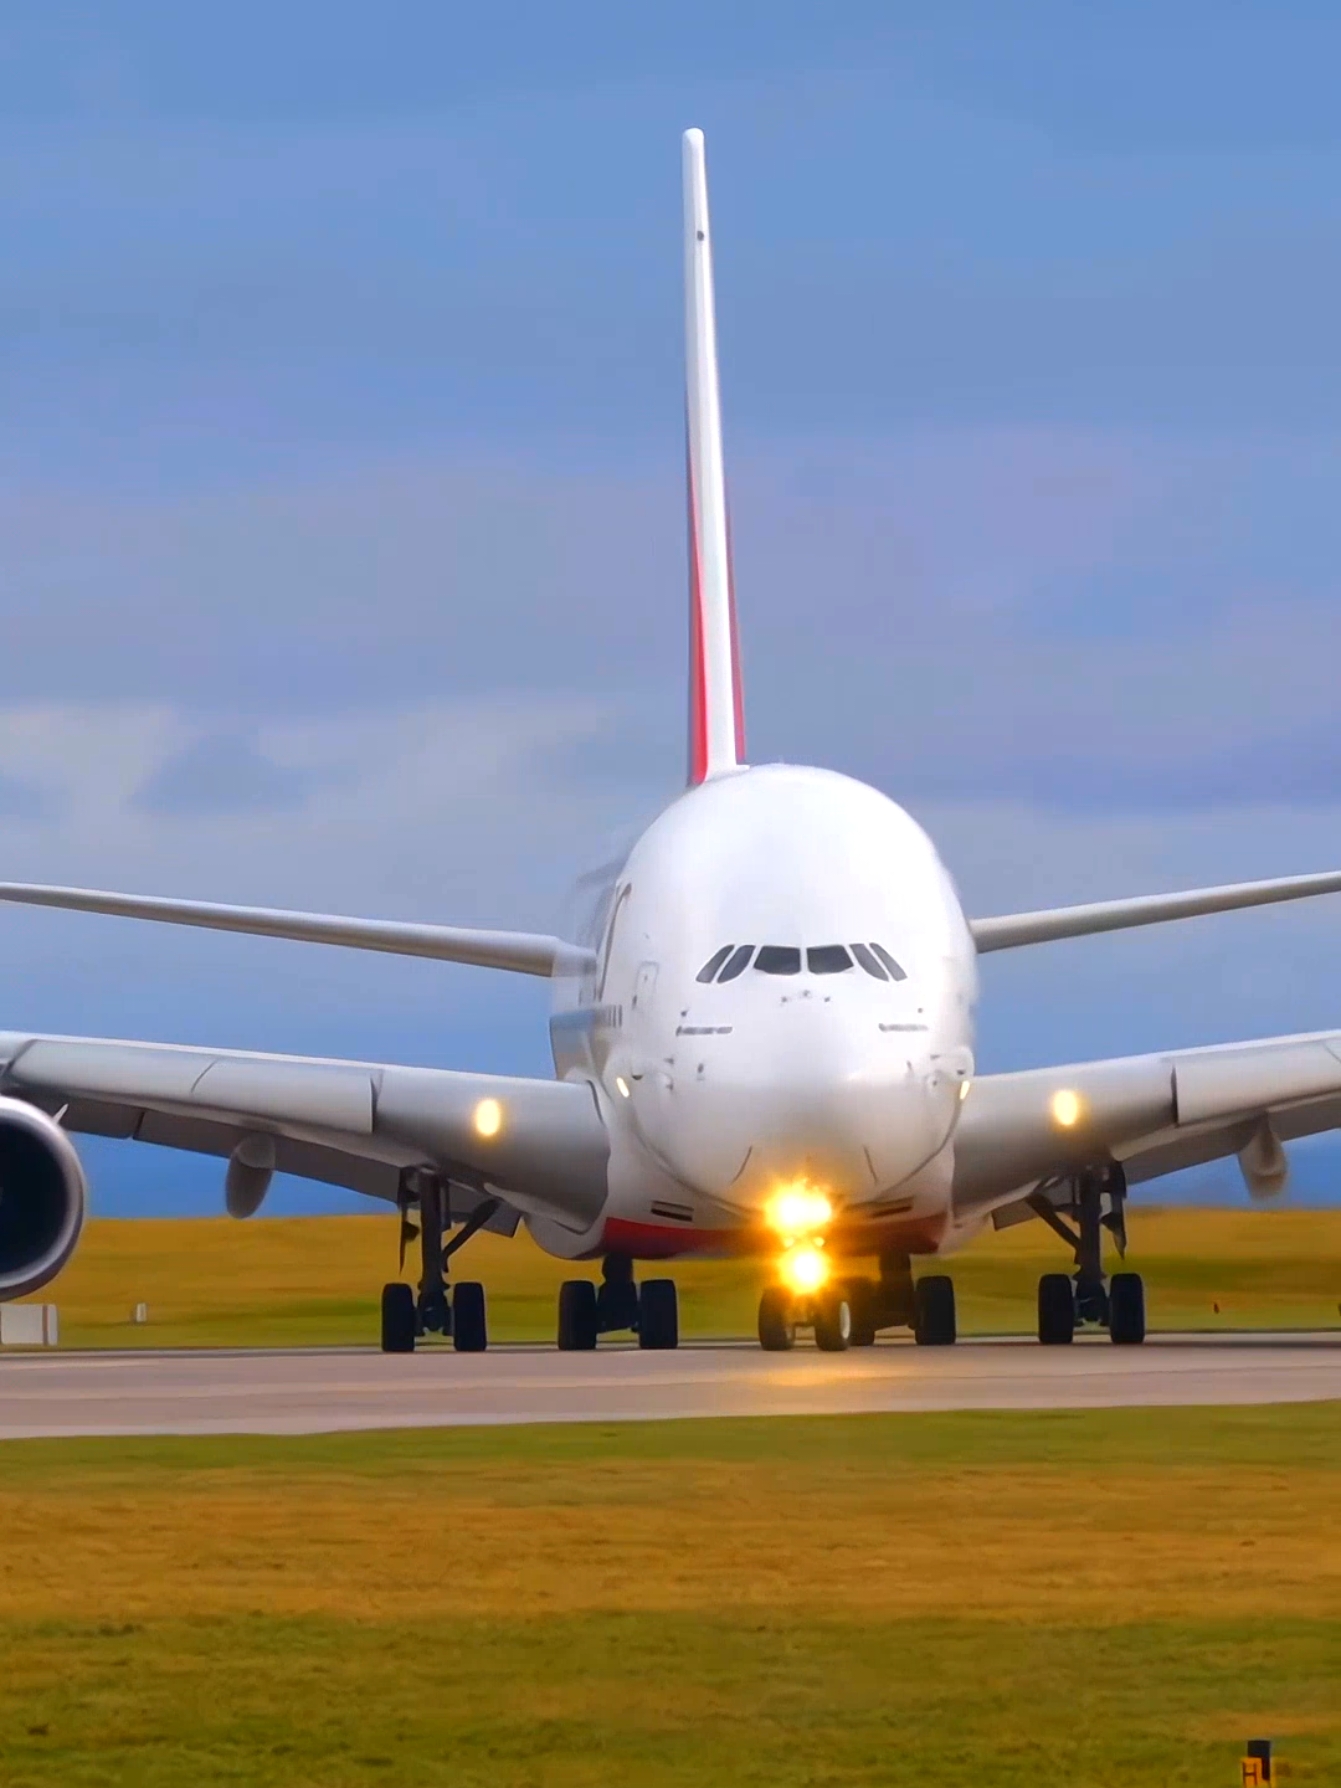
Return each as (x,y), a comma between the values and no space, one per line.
(214,1282)
(988,1601)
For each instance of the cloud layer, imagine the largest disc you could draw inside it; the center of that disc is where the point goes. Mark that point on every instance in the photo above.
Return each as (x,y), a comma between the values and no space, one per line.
(341,536)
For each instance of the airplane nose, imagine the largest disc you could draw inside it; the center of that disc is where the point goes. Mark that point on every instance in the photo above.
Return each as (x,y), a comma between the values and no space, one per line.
(805,1108)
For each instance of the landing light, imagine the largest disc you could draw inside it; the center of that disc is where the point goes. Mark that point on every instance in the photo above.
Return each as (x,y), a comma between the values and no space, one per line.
(1067,1108)
(621,1086)
(488,1118)
(805,1269)
(799,1210)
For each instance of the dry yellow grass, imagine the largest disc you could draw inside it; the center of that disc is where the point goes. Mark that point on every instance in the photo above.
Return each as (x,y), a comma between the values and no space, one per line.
(1011,1543)
(213,1282)
(1079,1597)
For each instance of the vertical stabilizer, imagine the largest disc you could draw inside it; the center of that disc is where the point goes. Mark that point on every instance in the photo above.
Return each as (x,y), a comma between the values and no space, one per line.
(716,707)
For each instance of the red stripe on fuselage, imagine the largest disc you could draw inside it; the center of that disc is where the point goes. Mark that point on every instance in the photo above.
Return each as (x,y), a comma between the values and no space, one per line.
(662,1241)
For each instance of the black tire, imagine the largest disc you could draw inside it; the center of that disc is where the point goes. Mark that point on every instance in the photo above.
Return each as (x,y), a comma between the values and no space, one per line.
(833,1321)
(470,1320)
(658,1315)
(400,1319)
(862,1299)
(1126,1309)
(777,1320)
(934,1311)
(1056,1310)
(577,1316)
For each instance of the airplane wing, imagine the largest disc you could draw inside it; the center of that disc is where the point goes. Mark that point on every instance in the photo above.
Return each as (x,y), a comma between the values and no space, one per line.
(1010,930)
(523,952)
(1154,1114)
(538,954)
(540,1145)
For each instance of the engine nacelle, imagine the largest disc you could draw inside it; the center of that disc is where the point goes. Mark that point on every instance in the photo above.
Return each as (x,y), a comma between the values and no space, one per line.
(43,1197)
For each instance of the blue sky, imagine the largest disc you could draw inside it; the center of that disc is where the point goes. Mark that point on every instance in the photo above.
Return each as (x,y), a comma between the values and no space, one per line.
(341,536)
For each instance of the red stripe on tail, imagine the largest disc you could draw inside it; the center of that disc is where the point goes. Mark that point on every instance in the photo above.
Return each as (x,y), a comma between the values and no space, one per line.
(698,669)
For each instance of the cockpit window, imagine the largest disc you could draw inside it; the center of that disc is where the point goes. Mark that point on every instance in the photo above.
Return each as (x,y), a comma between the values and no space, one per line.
(732,960)
(895,972)
(737,963)
(778,959)
(714,962)
(866,958)
(828,959)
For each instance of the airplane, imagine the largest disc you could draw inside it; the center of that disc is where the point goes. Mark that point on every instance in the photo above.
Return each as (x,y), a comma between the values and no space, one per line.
(763,1045)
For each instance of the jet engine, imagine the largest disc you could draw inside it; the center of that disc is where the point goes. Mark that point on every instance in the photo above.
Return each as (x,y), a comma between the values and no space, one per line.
(43,1196)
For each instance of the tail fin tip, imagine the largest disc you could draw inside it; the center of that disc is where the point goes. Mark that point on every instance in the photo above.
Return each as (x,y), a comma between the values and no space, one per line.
(716,706)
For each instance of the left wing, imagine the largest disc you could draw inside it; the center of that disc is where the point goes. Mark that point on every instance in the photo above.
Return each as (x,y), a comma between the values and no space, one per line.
(526,953)
(1011,930)
(1153,1114)
(539,1144)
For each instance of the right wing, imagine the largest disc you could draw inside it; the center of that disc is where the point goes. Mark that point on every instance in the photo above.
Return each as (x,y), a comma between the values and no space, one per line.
(1010,930)
(539,1144)
(1154,1114)
(524,952)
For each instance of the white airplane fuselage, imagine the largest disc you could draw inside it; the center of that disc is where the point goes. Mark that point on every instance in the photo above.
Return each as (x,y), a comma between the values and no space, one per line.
(829,1050)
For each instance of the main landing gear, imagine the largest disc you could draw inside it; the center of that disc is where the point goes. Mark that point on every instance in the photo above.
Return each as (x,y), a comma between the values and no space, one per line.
(1066,1302)
(437,1308)
(651,1310)
(851,1312)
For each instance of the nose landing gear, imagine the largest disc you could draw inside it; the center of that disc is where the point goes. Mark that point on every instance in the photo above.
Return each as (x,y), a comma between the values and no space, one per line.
(850,1313)
(782,1312)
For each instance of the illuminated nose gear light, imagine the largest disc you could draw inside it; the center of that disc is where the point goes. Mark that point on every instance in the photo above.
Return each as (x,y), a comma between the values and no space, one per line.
(800,1214)
(804,1269)
(799,1210)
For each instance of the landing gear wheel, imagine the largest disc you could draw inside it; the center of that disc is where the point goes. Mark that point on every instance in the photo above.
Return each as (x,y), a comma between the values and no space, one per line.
(862,1298)
(400,1319)
(658,1314)
(1126,1309)
(777,1320)
(577,1316)
(833,1321)
(1056,1310)
(934,1311)
(470,1322)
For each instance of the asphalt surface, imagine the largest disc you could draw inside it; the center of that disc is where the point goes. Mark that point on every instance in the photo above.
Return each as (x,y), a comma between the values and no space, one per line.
(313,1391)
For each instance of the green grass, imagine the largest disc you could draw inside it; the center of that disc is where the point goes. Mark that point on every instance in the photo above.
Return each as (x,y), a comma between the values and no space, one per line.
(1086,1598)
(294,1281)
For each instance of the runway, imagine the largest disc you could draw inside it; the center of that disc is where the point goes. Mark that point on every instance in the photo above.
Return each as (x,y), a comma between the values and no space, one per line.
(327,1390)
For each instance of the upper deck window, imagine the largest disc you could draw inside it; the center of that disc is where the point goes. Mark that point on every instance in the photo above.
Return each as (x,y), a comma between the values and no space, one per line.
(828,959)
(714,962)
(778,959)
